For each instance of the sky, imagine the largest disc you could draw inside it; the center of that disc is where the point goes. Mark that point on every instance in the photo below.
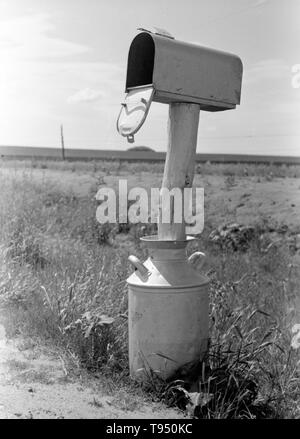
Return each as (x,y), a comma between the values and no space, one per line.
(64,62)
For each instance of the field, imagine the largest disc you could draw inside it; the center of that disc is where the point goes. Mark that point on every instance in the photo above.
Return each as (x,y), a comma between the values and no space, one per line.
(62,283)
(139,153)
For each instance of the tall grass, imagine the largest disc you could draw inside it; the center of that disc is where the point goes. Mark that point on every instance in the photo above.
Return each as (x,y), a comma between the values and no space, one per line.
(263,170)
(63,277)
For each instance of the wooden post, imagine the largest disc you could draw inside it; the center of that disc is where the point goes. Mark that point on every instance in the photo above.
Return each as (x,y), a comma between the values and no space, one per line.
(180,162)
(62,142)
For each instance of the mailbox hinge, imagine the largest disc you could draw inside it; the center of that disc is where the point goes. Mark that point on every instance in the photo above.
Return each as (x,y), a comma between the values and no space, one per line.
(157,31)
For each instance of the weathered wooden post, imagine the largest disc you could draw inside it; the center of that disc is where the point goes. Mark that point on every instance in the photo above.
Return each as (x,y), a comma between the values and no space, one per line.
(168,299)
(180,162)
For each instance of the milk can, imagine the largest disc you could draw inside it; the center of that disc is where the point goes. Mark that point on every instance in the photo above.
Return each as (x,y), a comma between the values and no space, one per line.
(168,309)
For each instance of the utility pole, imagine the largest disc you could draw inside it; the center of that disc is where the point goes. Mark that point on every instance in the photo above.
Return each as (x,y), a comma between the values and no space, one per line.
(62,142)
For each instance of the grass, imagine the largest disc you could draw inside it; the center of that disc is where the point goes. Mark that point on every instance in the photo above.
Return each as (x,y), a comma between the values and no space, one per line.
(62,278)
(114,166)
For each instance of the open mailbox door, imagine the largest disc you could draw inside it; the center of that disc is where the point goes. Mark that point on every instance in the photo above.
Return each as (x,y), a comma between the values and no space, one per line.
(134,110)
(168,71)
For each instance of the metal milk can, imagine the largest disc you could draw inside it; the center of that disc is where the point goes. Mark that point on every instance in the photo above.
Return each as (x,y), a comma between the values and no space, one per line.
(168,309)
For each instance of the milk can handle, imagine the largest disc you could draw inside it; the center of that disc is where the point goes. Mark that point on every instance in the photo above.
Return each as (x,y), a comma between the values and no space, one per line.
(195,256)
(138,265)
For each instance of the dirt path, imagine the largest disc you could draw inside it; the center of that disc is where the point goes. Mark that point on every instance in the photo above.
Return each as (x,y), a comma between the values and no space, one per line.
(34,384)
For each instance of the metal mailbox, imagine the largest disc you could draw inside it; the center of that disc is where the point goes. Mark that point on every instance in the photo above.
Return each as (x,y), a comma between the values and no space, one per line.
(184,72)
(176,71)
(168,300)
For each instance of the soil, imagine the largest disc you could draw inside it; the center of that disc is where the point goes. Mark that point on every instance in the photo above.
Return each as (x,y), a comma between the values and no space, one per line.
(34,384)
(245,200)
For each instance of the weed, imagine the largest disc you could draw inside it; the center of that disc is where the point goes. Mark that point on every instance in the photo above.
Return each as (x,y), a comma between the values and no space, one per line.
(62,278)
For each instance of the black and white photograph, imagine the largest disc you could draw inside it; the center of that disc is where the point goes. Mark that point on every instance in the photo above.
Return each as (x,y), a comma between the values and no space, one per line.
(149,212)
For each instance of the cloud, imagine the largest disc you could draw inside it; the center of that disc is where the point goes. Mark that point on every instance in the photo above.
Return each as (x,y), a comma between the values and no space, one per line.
(29,37)
(288,107)
(267,70)
(42,73)
(260,2)
(86,95)
(36,64)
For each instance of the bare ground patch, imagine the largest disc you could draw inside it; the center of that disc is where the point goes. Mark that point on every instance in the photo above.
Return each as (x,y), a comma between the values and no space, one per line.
(34,384)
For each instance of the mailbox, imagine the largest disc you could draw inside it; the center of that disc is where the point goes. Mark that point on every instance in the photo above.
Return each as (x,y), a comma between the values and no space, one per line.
(174,71)
(168,300)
